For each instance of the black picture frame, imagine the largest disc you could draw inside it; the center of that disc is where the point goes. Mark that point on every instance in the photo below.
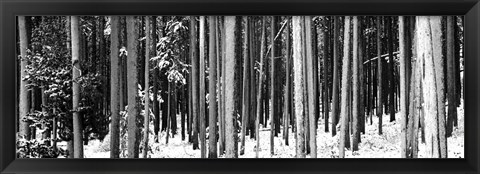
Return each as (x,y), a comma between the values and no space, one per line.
(10,8)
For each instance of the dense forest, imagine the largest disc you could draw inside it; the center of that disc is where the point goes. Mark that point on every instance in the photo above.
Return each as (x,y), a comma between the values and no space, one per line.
(240,86)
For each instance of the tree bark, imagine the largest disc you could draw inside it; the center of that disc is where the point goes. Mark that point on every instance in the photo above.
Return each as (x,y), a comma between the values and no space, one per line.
(246,84)
(212,132)
(429,48)
(260,85)
(403,87)
(379,77)
(272,86)
(219,81)
(310,86)
(230,59)
(114,90)
(202,118)
(133,112)
(335,102)
(355,87)
(392,69)
(156,79)
(326,79)
(287,85)
(76,71)
(24,129)
(345,86)
(298,54)
(194,58)
(147,86)
(451,79)
(222,115)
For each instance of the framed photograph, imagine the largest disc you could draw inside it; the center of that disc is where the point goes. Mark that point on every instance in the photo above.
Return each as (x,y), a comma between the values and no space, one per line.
(239,86)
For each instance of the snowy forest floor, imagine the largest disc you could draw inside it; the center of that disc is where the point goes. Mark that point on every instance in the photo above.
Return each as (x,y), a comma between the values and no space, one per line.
(372,144)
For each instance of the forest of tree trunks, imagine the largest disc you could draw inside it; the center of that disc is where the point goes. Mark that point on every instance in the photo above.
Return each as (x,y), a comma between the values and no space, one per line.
(240,87)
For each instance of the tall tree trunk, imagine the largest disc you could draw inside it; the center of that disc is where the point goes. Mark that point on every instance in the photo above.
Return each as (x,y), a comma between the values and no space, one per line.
(68,43)
(183,99)
(451,79)
(230,59)
(335,102)
(133,110)
(156,79)
(403,86)
(392,69)
(246,84)
(415,105)
(272,86)
(362,98)
(306,52)
(23,99)
(298,25)
(212,132)
(147,86)
(194,58)
(252,78)
(287,85)
(218,80)
(122,70)
(310,86)
(102,64)
(222,114)
(202,118)
(379,76)
(77,120)
(355,87)
(260,85)
(170,111)
(114,90)
(429,48)
(345,86)
(326,79)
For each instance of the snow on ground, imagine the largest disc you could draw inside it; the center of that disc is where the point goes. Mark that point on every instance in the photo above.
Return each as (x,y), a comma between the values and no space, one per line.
(372,145)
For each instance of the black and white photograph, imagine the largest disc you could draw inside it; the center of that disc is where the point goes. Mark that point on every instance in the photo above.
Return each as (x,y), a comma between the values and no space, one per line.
(240,87)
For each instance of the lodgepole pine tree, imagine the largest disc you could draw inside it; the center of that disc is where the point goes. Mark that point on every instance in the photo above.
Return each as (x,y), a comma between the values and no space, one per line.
(246,84)
(77,119)
(287,85)
(260,85)
(114,90)
(273,98)
(298,26)
(326,79)
(219,54)
(133,110)
(335,102)
(452,92)
(201,98)
(403,86)
(311,87)
(222,79)
(345,86)
(392,79)
(194,77)
(230,59)
(355,86)
(23,98)
(68,27)
(147,86)
(212,132)
(379,79)
(223,138)
(429,46)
